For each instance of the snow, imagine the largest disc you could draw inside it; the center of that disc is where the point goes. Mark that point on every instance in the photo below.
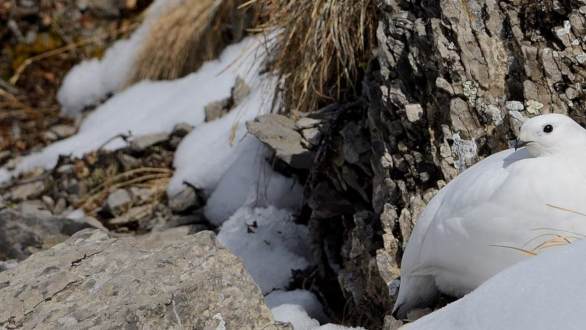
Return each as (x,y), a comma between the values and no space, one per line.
(303,298)
(251,181)
(92,81)
(296,315)
(544,292)
(155,107)
(270,244)
(206,153)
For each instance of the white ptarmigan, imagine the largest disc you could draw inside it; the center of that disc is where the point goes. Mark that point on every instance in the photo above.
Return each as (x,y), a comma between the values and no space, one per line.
(510,205)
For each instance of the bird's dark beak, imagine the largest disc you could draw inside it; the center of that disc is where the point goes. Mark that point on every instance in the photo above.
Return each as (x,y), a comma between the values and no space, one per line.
(520,144)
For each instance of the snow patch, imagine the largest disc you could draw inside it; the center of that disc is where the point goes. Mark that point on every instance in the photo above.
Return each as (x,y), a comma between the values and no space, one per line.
(303,298)
(251,181)
(543,292)
(270,243)
(301,321)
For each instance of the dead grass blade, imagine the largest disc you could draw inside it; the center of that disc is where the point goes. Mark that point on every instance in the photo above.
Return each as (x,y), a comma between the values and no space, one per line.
(564,209)
(560,230)
(526,252)
(151,178)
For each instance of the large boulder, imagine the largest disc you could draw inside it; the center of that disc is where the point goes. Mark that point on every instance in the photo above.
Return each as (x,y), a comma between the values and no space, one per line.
(94,281)
(23,234)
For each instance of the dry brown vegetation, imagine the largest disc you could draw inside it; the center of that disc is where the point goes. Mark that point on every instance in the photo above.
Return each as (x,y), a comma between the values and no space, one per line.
(323,46)
(318,56)
(186,36)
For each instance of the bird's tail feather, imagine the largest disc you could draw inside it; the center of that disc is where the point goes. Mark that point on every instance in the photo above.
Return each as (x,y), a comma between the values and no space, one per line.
(415,292)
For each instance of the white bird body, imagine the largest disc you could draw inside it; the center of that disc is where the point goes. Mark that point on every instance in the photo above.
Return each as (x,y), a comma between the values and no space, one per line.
(484,219)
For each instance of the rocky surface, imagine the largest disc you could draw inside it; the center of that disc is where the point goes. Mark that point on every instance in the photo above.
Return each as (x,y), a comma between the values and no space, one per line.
(220,108)
(95,281)
(122,190)
(279,134)
(451,84)
(21,235)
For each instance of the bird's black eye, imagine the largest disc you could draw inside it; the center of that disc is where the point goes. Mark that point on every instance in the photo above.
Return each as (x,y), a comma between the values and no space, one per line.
(548,128)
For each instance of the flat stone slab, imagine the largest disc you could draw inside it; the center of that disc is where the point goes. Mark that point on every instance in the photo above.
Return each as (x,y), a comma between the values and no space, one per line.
(94,281)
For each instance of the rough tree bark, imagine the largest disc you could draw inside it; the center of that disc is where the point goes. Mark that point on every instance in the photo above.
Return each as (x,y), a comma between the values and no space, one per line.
(452,84)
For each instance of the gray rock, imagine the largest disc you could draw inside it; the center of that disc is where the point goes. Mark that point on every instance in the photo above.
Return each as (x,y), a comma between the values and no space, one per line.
(183,201)
(312,135)
(217,109)
(135,214)
(35,207)
(194,219)
(572,94)
(76,187)
(65,169)
(27,191)
(391,323)
(174,142)
(140,196)
(60,206)
(240,91)
(182,129)
(158,239)
(49,202)
(278,133)
(418,313)
(12,163)
(63,131)
(128,162)
(444,85)
(21,235)
(305,123)
(93,222)
(118,202)
(414,112)
(143,142)
(16,131)
(8,264)
(93,281)
(51,136)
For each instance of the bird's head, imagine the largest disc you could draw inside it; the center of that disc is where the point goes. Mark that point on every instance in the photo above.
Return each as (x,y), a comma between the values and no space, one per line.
(551,134)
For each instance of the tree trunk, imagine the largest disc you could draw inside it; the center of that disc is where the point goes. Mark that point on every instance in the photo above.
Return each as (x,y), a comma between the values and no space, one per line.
(452,84)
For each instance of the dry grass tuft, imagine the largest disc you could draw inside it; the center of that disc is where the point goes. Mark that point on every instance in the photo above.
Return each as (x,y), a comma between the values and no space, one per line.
(183,38)
(154,179)
(319,56)
(323,47)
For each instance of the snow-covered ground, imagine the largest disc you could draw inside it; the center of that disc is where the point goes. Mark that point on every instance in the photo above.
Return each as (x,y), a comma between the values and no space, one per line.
(544,292)
(254,205)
